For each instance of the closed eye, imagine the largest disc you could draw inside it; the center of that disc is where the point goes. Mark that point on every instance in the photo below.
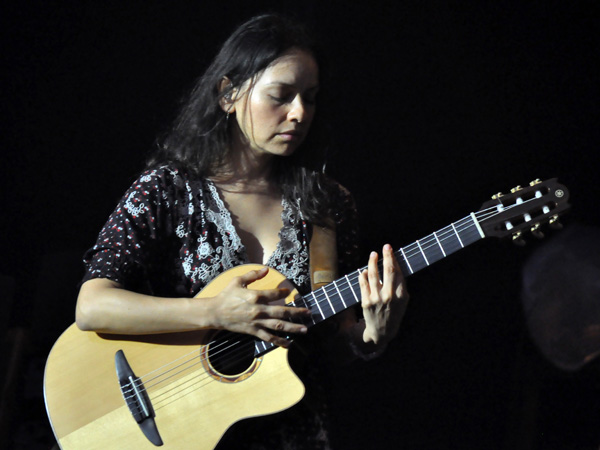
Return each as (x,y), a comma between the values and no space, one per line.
(281,100)
(282,96)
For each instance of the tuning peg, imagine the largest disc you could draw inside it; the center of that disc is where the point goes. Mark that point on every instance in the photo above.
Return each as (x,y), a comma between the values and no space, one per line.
(497,196)
(534,182)
(515,189)
(536,232)
(555,224)
(518,239)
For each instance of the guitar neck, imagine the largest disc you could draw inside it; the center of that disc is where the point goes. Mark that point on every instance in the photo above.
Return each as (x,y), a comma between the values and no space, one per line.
(344,292)
(438,245)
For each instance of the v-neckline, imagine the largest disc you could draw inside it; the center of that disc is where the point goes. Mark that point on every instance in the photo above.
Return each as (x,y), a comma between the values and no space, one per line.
(226,213)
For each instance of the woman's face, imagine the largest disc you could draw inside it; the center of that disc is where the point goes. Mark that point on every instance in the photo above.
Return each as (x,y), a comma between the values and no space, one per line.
(274,113)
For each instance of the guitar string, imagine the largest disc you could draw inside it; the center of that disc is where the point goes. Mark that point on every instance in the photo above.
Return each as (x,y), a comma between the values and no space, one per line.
(180,365)
(308,303)
(186,384)
(490,212)
(233,356)
(192,352)
(207,377)
(482,216)
(448,232)
(185,366)
(188,368)
(416,247)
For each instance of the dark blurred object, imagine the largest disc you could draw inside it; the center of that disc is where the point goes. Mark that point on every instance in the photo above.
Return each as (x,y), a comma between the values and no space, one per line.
(561,297)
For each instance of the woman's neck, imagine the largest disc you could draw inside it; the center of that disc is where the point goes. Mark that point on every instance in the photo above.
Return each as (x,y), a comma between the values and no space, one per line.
(246,169)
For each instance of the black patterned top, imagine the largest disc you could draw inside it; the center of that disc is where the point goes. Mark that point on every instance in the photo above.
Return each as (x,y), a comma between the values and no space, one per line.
(171,234)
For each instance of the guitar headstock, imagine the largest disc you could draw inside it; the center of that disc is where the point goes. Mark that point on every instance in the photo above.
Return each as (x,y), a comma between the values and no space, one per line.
(524,209)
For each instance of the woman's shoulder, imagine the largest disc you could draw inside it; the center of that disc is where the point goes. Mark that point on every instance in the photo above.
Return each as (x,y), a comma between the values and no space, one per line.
(339,193)
(165,177)
(161,174)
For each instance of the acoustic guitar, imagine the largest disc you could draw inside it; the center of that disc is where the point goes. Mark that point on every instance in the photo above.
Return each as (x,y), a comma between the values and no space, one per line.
(184,390)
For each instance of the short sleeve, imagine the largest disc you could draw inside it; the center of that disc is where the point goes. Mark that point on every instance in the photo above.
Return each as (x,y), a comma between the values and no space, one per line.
(140,223)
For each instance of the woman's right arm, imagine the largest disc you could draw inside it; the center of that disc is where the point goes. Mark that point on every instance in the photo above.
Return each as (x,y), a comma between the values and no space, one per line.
(105,306)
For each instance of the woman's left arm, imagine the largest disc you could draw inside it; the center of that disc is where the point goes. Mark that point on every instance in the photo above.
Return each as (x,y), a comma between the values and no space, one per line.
(383,302)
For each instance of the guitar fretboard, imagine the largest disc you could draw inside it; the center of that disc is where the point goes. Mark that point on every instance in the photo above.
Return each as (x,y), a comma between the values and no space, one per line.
(344,292)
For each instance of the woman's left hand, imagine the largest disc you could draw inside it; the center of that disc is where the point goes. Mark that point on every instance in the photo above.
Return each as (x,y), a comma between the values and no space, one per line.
(383,302)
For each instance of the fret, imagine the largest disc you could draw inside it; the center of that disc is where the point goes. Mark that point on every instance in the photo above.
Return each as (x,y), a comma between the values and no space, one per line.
(431,249)
(304,305)
(340,294)
(439,243)
(324,306)
(449,240)
(471,233)
(328,300)
(335,299)
(357,298)
(423,253)
(319,308)
(262,347)
(407,261)
(416,259)
(458,236)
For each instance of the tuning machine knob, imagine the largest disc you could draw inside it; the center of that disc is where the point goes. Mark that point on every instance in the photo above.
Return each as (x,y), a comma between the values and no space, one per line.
(515,189)
(536,232)
(497,196)
(517,239)
(554,223)
(536,181)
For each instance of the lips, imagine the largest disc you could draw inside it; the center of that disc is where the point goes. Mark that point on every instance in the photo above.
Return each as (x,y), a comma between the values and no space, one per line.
(292,132)
(291,135)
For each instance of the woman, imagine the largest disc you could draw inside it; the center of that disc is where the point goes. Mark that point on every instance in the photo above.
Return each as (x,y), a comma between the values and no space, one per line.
(237,180)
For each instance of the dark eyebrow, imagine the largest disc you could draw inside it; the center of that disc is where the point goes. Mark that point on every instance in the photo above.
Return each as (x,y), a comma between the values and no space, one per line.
(279,83)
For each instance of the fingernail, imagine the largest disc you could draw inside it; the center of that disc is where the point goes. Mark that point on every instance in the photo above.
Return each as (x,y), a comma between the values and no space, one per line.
(303,330)
(373,254)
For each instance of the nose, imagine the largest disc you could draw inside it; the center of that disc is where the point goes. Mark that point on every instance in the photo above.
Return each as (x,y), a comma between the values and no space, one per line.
(299,111)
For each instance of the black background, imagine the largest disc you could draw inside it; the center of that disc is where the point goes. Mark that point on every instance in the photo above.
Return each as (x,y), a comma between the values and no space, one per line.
(434,105)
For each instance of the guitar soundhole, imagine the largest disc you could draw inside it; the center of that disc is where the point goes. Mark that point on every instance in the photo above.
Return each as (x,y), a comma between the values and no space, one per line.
(231,354)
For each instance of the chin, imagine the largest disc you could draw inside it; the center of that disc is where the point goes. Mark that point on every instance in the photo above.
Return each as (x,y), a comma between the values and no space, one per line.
(287,150)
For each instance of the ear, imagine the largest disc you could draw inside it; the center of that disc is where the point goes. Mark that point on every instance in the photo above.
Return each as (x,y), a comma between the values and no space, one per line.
(227,95)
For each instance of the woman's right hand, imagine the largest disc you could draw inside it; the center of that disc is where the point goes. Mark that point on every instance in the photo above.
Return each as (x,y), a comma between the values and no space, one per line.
(105,306)
(248,311)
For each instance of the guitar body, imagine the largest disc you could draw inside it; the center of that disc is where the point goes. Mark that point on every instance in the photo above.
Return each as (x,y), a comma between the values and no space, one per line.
(194,393)
(193,401)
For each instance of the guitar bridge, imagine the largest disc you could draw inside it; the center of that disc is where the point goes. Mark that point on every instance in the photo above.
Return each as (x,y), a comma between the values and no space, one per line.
(136,398)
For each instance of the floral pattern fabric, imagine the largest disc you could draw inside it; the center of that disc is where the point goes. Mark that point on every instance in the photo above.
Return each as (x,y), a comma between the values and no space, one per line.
(172,234)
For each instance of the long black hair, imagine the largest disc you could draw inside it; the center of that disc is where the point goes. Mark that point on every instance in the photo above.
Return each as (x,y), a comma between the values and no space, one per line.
(198,141)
